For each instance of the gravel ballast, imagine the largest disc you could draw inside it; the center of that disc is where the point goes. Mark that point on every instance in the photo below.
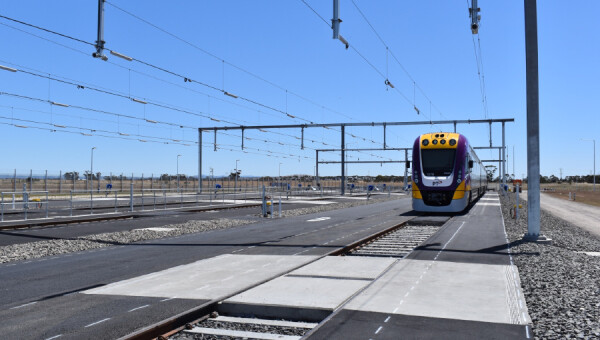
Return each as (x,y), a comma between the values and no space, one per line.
(38,249)
(560,282)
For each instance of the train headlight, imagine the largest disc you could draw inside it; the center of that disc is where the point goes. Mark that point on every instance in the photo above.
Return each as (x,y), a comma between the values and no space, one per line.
(443,141)
(425,142)
(416,180)
(452,142)
(458,181)
(434,141)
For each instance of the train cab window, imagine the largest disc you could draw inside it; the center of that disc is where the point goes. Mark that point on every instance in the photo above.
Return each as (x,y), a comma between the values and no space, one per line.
(469,165)
(438,162)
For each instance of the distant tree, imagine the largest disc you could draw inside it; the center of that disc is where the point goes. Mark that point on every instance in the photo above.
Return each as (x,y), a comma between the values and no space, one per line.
(233,174)
(87,175)
(71,175)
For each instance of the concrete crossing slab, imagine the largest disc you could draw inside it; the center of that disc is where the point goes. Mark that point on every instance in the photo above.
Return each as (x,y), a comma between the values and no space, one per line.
(301,292)
(462,291)
(354,267)
(206,279)
(324,284)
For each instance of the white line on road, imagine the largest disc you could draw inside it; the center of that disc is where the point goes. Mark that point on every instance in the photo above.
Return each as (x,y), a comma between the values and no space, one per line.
(131,310)
(318,219)
(163,300)
(24,305)
(54,337)
(97,322)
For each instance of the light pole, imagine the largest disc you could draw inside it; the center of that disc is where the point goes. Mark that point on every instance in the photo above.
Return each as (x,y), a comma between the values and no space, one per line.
(178,172)
(279,176)
(593,140)
(236,175)
(92,170)
(211,178)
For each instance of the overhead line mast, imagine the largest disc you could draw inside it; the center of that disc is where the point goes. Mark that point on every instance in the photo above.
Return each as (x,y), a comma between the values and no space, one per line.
(100,42)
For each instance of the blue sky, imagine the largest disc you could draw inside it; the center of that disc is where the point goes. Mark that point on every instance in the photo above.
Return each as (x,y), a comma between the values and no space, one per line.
(315,78)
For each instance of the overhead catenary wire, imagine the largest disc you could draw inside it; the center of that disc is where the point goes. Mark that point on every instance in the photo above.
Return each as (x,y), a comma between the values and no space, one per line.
(158,68)
(383,76)
(77,83)
(391,52)
(225,62)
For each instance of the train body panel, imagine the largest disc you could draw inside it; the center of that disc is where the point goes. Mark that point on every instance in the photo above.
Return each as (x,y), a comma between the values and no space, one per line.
(447,174)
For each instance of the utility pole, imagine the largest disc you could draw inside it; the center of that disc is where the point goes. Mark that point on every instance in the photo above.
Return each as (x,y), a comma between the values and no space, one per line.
(100,42)
(178,172)
(279,175)
(92,170)
(475,17)
(236,175)
(533,124)
(560,174)
(335,23)
(593,140)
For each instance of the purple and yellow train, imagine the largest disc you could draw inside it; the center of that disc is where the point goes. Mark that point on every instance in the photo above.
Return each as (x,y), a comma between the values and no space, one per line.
(447,174)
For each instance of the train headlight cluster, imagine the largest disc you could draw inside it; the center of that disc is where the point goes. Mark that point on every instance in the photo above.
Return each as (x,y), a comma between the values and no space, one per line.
(452,142)
(425,142)
(443,141)
(434,141)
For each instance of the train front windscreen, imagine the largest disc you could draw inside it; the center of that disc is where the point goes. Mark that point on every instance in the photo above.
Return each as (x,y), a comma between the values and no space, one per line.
(437,162)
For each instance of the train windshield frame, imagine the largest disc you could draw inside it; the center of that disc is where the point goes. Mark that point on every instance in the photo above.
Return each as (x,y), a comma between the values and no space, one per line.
(438,162)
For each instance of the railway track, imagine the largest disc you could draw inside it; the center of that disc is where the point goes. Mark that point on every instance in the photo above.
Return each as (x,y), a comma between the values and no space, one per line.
(222,320)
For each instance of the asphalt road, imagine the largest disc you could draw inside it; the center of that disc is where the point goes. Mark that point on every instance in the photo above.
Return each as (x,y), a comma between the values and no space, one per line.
(153,219)
(39,298)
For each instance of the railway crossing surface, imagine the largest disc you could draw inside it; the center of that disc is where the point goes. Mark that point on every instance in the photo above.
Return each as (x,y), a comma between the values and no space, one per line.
(459,283)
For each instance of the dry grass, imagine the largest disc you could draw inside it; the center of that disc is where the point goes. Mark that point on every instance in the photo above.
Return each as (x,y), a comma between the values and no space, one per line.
(583,192)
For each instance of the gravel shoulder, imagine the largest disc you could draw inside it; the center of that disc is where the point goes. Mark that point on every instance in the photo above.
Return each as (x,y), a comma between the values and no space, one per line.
(25,251)
(560,282)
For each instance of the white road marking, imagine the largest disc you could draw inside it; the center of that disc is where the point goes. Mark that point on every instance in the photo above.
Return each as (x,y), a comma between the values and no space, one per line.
(163,300)
(378,329)
(144,306)
(25,305)
(318,219)
(54,337)
(387,319)
(97,322)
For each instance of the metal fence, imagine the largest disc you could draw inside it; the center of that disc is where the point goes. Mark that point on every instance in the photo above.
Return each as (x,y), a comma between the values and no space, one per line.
(25,204)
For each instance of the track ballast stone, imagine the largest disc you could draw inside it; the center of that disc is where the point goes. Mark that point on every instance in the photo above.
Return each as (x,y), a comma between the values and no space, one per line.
(39,249)
(561,284)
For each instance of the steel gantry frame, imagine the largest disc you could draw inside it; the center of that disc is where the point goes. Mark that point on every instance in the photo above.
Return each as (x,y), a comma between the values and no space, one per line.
(344,161)
(342,127)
